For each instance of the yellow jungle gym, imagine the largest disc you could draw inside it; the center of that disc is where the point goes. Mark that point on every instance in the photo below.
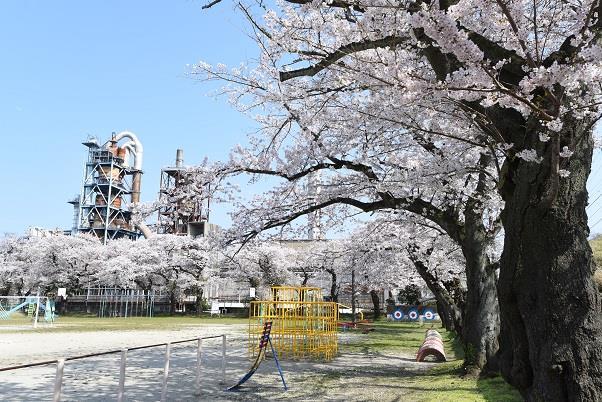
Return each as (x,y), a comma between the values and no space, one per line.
(304,326)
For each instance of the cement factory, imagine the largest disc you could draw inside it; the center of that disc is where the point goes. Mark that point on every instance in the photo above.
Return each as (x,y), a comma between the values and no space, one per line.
(112,180)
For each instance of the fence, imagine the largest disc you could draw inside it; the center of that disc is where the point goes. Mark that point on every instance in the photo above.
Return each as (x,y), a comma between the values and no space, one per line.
(60,365)
(115,302)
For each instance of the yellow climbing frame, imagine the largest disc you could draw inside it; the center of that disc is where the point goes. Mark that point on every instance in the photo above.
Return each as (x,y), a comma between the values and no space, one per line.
(303,326)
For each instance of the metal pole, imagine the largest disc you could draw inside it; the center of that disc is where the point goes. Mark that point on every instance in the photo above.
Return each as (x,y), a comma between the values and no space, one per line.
(224,358)
(353,301)
(121,389)
(127,292)
(58,380)
(166,372)
(35,321)
(199,351)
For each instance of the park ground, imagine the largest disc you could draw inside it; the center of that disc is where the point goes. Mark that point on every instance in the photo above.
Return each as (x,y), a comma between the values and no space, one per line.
(377,366)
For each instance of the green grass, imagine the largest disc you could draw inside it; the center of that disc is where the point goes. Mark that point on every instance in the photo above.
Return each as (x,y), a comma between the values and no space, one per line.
(392,336)
(93,323)
(443,382)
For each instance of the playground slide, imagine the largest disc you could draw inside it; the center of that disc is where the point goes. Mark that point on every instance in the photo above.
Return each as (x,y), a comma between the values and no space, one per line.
(5,314)
(252,371)
(264,340)
(49,314)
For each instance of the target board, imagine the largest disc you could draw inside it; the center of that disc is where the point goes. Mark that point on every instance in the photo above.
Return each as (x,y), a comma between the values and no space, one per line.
(413,314)
(429,314)
(398,314)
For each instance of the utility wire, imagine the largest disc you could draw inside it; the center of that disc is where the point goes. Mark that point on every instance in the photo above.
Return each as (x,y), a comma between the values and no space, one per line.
(594,225)
(593,202)
(592,215)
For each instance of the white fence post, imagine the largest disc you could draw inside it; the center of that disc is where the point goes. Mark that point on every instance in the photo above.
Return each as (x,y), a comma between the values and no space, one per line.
(224,358)
(58,380)
(121,389)
(199,351)
(166,373)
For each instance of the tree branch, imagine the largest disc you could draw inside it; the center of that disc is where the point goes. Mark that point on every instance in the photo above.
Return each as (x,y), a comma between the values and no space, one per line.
(332,58)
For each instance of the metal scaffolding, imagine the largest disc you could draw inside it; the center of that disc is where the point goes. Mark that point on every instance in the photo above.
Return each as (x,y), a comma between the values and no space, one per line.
(303,326)
(107,179)
(180,213)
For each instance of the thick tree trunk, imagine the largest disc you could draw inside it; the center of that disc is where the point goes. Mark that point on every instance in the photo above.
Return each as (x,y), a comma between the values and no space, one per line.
(551,333)
(481,313)
(478,322)
(375,303)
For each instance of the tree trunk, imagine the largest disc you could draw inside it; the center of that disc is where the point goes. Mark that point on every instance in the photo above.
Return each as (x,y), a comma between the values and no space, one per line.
(445,317)
(478,322)
(481,312)
(444,299)
(376,304)
(172,303)
(334,295)
(551,328)
(199,300)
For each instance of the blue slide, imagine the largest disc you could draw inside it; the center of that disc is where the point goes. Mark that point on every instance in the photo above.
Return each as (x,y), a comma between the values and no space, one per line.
(264,340)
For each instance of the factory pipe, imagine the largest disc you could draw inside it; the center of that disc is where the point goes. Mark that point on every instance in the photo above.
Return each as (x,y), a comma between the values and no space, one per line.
(138,152)
(130,148)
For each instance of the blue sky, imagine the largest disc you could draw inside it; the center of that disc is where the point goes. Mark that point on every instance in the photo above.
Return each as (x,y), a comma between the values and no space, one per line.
(74,68)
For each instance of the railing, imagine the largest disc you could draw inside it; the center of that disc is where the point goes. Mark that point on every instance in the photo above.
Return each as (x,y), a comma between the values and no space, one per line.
(60,365)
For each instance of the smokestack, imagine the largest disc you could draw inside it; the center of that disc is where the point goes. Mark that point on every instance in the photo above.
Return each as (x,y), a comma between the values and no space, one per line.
(179,157)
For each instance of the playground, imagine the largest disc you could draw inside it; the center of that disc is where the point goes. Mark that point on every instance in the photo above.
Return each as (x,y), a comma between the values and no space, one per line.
(378,365)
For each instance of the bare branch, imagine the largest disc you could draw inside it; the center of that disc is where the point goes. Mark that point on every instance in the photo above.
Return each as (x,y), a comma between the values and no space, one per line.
(354,47)
(211,4)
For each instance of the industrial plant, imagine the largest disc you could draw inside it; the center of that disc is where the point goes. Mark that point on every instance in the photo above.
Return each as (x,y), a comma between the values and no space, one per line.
(112,179)
(181,214)
(111,186)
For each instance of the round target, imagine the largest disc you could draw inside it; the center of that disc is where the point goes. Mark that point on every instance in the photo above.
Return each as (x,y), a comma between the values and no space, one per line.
(413,314)
(428,314)
(398,315)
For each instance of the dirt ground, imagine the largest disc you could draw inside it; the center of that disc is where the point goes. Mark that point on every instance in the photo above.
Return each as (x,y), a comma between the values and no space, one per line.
(351,376)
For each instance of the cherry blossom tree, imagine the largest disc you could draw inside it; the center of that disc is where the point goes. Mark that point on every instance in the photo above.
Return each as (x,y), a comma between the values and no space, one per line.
(518,78)
(398,253)
(263,263)
(47,262)
(369,160)
(178,264)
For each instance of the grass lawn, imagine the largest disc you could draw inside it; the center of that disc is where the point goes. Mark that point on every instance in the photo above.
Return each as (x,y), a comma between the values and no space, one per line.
(442,383)
(93,323)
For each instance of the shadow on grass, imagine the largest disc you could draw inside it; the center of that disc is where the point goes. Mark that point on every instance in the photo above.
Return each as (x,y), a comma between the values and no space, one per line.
(497,390)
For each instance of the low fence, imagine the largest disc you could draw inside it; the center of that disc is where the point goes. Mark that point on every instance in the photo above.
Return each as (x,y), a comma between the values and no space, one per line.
(60,365)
